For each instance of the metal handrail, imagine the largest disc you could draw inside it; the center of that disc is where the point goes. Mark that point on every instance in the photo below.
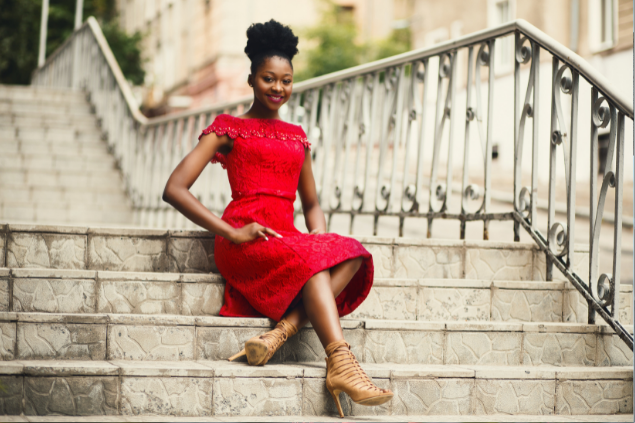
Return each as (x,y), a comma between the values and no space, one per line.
(548,43)
(370,126)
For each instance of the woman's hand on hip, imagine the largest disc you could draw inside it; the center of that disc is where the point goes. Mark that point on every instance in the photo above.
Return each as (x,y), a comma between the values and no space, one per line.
(252,231)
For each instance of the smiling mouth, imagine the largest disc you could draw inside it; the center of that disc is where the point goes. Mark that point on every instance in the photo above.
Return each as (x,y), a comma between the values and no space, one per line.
(275,98)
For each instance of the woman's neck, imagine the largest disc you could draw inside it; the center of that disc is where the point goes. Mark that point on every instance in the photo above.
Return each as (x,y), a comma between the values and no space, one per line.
(260,111)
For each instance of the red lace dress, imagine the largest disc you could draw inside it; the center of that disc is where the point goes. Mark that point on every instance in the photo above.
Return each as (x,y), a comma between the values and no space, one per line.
(266,277)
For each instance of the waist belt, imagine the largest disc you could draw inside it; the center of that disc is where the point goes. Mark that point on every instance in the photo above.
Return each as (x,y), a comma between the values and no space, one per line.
(264,191)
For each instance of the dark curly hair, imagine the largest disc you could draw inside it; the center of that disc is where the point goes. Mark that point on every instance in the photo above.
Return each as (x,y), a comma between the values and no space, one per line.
(269,39)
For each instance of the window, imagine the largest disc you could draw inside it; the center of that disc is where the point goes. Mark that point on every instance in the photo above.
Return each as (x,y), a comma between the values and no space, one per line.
(602,24)
(345,14)
(499,12)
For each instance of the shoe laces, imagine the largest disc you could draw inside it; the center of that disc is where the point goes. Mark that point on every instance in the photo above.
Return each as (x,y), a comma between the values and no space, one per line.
(279,335)
(345,360)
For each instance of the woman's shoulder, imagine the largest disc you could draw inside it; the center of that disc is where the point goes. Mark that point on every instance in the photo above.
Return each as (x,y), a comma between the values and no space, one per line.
(223,124)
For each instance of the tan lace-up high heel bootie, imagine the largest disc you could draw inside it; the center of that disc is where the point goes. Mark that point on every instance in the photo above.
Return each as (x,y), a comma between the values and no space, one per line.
(260,349)
(344,374)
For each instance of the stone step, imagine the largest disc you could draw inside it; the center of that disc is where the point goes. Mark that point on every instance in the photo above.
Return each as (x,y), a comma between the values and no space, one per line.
(60,177)
(77,109)
(22,120)
(55,162)
(40,94)
(98,194)
(222,389)
(159,250)
(92,148)
(135,337)
(85,214)
(365,417)
(49,134)
(393,257)
(54,206)
(49,98)
(38,290)
(28,194)
(81,151)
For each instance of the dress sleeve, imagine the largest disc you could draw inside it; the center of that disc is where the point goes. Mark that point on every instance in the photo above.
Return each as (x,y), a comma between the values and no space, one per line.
(303,138)
(222,125)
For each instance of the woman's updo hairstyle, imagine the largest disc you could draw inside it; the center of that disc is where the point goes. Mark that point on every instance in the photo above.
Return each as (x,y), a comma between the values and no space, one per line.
(269,39)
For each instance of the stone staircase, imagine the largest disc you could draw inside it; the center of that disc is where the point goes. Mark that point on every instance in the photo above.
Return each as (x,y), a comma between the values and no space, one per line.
(124,322)
(54,166)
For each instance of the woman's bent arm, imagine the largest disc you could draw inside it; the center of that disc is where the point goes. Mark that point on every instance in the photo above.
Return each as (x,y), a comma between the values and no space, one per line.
(313,214)
(177,190)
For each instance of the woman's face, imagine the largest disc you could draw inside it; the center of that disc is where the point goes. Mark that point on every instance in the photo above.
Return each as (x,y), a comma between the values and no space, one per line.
(273,82)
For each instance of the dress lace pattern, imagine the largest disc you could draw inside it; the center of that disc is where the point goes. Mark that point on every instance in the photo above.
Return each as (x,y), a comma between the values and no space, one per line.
(265,278)
(254,128)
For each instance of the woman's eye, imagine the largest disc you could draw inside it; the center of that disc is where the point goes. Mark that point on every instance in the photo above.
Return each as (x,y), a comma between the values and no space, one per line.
(268,79)
(287,81)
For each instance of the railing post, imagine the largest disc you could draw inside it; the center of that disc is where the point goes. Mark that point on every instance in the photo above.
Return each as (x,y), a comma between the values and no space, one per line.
(535,62)
(517,129)
(469,116)
(592,203)
(572,169)
(551,213)
(490,128)
(617,228)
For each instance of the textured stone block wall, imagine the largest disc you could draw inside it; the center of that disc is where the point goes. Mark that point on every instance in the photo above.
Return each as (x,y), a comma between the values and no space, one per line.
(216,389)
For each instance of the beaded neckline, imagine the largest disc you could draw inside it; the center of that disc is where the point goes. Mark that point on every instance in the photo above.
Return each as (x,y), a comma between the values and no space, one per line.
(236,127)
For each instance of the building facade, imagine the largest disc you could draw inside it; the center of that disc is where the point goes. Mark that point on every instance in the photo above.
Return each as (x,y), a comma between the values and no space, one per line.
(194,48)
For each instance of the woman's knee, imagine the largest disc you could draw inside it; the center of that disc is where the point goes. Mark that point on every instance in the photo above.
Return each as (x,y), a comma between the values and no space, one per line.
(323,277)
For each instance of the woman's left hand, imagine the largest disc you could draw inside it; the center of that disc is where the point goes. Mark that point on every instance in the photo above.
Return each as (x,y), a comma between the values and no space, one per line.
(317,232)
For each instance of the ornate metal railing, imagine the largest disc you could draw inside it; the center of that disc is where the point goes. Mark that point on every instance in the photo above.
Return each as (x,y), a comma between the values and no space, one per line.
(379,150)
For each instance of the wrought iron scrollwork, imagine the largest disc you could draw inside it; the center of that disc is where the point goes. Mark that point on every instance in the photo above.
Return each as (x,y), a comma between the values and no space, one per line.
(439,195)
(526,52)
(564,135)
(603,115)
(474,114)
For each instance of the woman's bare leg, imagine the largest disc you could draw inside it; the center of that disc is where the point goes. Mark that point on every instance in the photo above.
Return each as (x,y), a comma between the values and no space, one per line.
(339,276)
(320,308)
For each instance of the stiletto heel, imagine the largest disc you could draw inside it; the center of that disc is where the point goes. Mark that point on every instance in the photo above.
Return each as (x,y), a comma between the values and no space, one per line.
(235,356)
(260,349)
(336,399)
(344,374)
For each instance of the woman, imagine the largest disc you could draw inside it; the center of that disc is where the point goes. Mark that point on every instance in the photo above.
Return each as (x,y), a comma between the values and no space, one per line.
(271,268)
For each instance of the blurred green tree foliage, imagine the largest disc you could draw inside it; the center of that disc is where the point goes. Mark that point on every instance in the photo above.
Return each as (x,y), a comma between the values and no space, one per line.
(20,34)
(398,42)
(336,45)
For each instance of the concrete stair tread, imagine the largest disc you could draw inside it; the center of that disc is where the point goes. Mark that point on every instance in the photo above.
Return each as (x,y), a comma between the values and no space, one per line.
(23,120)
(93,148)
(212,277)
(333,418)
(224,368)
(347,323)
(56,158)
(70,188)
(74,165)
(51,111)
(179,292)
(67,205)
(88,140)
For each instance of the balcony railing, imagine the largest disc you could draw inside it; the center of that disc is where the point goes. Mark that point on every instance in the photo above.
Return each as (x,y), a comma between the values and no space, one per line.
(383,137)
